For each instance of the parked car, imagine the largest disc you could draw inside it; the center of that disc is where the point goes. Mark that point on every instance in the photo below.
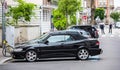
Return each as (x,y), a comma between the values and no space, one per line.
(58,44)
(82,32)
(117,25)
(89,28)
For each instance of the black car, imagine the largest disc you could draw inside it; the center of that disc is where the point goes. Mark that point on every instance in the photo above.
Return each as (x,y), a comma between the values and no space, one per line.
(57,44)
(89,28)
(82,32)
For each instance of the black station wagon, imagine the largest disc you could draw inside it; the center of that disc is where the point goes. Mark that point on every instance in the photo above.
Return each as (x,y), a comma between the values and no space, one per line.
(89,28)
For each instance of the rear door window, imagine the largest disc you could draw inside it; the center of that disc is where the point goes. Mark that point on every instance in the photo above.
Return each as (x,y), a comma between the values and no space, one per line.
(68,38)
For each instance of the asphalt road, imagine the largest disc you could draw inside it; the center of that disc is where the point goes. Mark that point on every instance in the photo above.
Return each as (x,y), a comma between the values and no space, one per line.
(109,60)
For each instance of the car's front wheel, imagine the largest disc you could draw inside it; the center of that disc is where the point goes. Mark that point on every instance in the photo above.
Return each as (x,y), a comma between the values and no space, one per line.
(31,55)
(83,54)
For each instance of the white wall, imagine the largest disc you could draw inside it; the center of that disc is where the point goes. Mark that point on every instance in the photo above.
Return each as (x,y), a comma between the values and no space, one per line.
(38,2)
(45,27)
(24,33)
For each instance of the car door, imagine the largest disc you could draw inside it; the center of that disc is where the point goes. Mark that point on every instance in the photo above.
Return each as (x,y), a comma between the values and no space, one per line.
(53,46)
(69,47)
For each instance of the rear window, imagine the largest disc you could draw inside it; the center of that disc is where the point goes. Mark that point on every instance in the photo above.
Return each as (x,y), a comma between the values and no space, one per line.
(94,29)
(87,28)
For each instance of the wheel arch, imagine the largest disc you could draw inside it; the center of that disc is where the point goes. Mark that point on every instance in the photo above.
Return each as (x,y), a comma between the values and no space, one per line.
(83,47)
(80,48)
(31,50)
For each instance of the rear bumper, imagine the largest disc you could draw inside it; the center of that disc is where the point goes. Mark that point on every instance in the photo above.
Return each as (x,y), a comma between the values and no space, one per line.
(95,51)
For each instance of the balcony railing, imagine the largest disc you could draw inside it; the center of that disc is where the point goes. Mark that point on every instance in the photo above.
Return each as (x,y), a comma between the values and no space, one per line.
(50,2)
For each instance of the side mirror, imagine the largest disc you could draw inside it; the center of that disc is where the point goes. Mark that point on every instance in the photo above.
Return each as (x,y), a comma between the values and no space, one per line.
(46,42)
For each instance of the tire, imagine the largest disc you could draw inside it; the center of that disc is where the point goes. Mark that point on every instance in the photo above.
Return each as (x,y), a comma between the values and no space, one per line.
(82,54)
(31,56)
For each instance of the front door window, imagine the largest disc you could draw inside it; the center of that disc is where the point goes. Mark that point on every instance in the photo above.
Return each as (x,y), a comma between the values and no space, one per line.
(59,38)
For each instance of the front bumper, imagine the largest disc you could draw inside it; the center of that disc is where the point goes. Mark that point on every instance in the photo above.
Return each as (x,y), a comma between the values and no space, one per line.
(18,55)
(95,51)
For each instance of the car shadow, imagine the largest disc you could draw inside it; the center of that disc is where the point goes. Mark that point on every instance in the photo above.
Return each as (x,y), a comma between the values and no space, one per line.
(53,60)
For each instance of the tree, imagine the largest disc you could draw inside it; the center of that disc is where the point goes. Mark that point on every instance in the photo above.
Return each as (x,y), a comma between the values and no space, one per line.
(69,7)
(92,11)
(99,12)
(115,16)
(23,11)
(73,19)
(59,20)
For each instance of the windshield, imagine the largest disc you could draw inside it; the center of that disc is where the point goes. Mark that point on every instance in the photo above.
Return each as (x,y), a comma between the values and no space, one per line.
(39,39)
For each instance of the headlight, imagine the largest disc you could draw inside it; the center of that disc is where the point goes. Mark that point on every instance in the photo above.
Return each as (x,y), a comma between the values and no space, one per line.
(18,49)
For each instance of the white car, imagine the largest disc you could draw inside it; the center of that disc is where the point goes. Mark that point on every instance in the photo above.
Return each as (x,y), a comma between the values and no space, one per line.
(117,25)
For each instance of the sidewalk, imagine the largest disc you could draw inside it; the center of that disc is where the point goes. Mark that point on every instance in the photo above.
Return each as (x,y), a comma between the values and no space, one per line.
(115,33)
(2,58)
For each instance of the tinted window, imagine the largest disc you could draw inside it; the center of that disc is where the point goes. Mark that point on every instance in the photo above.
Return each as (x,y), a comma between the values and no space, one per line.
(82,27)
(59,38)
(68,38)
(56,38)
(84,33)
(93,29)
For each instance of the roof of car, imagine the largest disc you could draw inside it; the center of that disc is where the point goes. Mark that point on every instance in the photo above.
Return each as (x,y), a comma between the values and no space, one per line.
(64,32)
(74,33)
(79,30)
(82,25)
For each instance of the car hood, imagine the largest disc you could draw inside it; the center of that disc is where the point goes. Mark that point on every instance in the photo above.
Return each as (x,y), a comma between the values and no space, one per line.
(24,45)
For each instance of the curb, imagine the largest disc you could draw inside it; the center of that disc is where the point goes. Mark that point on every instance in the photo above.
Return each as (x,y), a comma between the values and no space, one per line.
(5,60)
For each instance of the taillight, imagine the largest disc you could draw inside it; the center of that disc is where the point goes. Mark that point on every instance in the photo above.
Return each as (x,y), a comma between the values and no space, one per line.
(96,32)
(97,43)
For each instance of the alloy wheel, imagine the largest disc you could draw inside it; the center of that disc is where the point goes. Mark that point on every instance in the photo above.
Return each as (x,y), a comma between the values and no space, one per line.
(83,54)
(31,56)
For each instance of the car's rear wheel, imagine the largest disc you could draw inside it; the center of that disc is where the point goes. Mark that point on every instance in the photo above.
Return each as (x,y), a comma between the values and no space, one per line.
(31,55)
(83,54)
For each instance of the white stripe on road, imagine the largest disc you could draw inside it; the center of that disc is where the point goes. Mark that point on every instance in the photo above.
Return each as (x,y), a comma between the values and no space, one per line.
(111,35)
(94,58)
(103,36)
(108,35)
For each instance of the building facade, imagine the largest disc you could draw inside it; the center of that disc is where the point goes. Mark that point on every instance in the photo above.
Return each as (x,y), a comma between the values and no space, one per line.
(108,5)
(37,26)
(43,13)
(117,9)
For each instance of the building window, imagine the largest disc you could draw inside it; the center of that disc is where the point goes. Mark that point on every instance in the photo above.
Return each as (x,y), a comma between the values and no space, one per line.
(46,16)
(0,14)
(40,15)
